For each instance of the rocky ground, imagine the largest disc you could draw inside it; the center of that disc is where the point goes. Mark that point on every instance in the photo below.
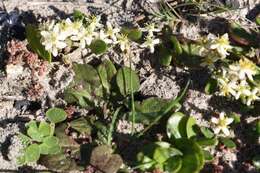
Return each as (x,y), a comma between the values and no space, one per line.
(24,97)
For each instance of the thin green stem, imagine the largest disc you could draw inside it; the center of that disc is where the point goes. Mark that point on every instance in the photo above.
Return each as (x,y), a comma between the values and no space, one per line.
(111,128)
(132,95)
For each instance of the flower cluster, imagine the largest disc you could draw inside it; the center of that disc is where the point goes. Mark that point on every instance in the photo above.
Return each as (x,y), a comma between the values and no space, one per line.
(67,33)
(237,80)
(150,40)
(214,49)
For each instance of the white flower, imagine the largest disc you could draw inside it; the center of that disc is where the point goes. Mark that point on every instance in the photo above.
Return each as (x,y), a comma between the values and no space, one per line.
(221,124)
(150,42)
(94,22)
(85,37)
(150,28)
(226,86)
(53,40)
(104,37)
(111,32)
(221,45)
(243,89)
(252,96)
(244,68)
(71,28)
(123,42)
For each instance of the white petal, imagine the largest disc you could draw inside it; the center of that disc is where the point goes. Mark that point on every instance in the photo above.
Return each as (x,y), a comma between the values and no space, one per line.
(74,38)
(222,115)
(61,45)
(216,130)
(225,131)
(55,52)
(82,44)
(152,49)
(229,121)
(156,41)
(48,46)
(45,33)
(214,120)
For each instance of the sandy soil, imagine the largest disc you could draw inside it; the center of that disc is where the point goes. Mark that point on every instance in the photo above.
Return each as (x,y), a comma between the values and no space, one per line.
(16,107)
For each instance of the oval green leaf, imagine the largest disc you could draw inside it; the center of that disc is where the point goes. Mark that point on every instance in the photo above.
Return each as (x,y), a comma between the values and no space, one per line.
(123,80)
(98,47)
(56,115)
(32,153)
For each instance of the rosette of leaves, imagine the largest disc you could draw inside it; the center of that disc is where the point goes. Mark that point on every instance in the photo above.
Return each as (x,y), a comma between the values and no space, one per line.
(93,86)
(61,161)
(184,152)
(39,139)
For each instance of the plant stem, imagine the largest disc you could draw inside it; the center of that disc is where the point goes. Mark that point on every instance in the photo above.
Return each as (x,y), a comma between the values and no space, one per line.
(111,128)
(132,95)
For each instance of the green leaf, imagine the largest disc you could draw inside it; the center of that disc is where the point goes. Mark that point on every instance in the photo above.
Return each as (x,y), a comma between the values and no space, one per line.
(173,125)
(33,36)
(51,140)
(190,56)
(145,162)
(106,72)
(21,160)
(257,20)
(81,125)
(193,157)
(33,131)
(256,162)
(44,129)
(165,55)
(59,163)
(164,151)
(50,145)
(211,86)
(204,142)
(161,154)
(173,164)
(236,117)
(86,89)
(206,132)
(32,153)
(56,115)
(228,142)
(177,49)
(123,80)
(78,15)
(104,160)
(151,108)
(207,155)
(133,34)
(242,36)
(24,139)
(44,148)
(189,127)
(258,127)
(98,47)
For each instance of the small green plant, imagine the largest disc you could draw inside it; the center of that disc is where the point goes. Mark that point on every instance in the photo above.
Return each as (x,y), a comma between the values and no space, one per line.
(40,139)
(103,83)
(183,153)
